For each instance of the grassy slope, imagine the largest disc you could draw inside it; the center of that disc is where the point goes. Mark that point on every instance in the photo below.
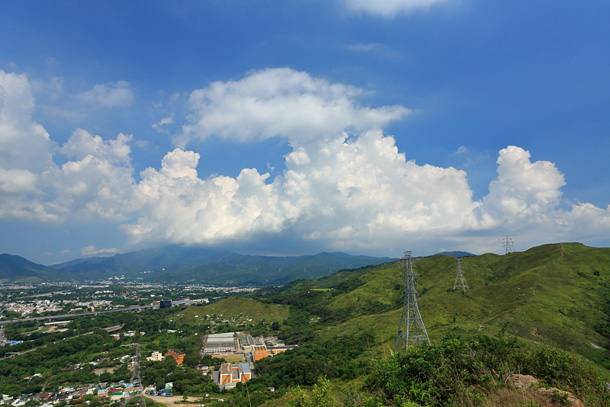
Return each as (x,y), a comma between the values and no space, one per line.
(548,294)
(238,307)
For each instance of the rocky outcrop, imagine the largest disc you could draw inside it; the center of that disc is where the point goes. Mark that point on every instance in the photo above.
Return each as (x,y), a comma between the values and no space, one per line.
(522,381)
(556,396)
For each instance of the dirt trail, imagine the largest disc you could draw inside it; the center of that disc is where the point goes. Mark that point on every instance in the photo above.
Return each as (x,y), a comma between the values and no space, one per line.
(175,401)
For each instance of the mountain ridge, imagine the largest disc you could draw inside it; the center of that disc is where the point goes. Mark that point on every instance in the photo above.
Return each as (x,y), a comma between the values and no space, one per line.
(187,264)
(29,271)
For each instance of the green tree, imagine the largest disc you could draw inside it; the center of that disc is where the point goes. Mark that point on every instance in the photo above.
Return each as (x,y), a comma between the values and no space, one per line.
(320,396)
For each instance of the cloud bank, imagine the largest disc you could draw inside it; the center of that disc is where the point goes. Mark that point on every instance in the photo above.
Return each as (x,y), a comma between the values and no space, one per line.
(345,186)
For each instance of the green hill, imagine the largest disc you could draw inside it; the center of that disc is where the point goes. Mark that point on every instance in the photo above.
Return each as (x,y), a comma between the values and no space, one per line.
(555,294)
(237,309)
(16,269)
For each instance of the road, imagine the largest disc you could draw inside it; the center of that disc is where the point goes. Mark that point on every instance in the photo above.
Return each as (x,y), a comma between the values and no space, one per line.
(177,401)
(64,316)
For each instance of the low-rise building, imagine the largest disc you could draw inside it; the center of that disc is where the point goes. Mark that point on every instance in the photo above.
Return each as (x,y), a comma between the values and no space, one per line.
(156,357)
(231,374)
(176,354)
(220,343)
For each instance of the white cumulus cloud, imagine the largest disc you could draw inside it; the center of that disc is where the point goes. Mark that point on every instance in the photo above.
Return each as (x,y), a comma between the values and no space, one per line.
(177,206)
(25,152)
(96,181)
(24,144)
(345,186)
(281,102)
(522,190)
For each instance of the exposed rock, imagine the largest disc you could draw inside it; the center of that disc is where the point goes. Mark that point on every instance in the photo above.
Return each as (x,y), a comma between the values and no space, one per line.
(522,381)
(553,394)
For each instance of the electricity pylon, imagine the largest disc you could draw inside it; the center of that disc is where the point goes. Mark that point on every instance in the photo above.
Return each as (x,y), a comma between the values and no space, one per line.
(135,379)
(411,330)
(460,281)
(508,244)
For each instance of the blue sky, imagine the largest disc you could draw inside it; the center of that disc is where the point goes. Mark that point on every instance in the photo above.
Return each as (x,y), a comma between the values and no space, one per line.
(304,126)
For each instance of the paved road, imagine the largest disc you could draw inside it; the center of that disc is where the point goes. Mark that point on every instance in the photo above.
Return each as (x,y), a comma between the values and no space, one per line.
(64,316)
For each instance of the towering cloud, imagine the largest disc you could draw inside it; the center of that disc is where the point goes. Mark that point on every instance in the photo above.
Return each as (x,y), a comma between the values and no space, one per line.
(97,180)
(94,182)
(523,191)
(345,184)
(281,103)
(25,151)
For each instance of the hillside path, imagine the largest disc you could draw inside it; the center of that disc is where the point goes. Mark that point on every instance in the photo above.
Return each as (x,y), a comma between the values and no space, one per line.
(177,401)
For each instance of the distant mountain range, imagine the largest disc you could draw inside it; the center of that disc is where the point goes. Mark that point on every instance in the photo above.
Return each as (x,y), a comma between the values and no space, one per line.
(182,264)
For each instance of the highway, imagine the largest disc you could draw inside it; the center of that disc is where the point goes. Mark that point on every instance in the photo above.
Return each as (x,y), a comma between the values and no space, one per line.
(65,316)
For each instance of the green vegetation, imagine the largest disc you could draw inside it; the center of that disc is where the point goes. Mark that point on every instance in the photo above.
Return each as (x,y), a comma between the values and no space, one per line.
(554,295)
(239,309)
(463,370)
(549,295)
(543,312)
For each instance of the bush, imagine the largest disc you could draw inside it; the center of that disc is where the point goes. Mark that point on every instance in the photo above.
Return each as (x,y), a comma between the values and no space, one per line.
(463,370)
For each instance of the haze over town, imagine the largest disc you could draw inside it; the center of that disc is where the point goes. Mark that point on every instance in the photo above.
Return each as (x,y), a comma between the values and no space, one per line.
(305,126)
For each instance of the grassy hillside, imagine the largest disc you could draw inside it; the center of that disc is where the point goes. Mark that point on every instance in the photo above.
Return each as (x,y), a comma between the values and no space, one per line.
(239,309)
(554,294)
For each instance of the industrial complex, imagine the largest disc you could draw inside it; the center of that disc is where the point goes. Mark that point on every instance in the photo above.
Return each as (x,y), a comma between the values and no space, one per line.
(250,348)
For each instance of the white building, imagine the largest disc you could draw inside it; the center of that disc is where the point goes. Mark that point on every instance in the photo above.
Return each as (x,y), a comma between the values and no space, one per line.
(156,357)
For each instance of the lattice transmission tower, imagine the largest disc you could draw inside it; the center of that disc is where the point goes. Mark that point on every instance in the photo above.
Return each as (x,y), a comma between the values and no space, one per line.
(135,381)
(411,330)
(460,281)
(508,244)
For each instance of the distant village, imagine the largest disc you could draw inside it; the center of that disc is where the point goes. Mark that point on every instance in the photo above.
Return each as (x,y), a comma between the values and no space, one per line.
(241,351)
(70,298)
